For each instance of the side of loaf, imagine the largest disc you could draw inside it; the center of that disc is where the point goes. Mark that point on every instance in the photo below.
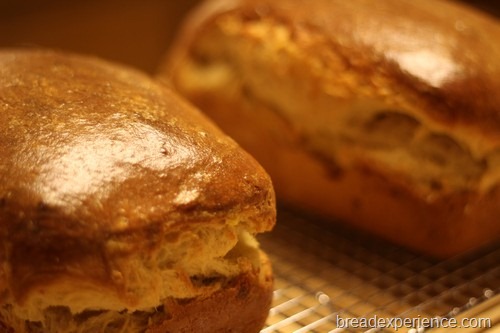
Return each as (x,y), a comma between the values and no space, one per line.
(122,208)
(383,115)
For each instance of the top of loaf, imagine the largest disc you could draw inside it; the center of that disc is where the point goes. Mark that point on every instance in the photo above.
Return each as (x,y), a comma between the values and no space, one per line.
(446,53)
(91,148)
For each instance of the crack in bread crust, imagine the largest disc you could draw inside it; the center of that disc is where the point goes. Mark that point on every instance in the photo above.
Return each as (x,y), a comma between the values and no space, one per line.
(380,127)
(246,294)
(348,124)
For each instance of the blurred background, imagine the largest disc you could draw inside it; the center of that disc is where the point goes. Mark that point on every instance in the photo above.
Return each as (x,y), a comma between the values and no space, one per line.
(134,32)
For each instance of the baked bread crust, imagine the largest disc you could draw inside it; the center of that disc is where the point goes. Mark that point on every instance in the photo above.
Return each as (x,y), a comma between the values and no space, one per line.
(238,307)
(117,195)
(383,115)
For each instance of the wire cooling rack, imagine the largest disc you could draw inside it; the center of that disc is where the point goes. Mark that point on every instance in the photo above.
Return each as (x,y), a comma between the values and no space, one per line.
(324,275)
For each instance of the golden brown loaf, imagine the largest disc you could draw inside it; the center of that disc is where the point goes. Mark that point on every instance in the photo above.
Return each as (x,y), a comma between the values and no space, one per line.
(383,114)
(122,209)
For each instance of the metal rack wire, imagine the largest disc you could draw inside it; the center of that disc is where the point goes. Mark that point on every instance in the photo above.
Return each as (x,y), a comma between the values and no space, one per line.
(325,274)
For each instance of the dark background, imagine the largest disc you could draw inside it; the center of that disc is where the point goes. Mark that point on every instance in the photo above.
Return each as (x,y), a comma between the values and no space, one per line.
(135,32)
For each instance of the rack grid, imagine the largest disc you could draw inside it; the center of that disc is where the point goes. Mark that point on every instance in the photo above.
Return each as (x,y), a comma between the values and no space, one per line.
(325,274)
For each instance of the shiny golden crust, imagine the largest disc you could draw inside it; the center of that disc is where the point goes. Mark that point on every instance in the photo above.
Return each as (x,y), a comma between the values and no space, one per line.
(453,52)
(88,141)
(391,105)
(114,193)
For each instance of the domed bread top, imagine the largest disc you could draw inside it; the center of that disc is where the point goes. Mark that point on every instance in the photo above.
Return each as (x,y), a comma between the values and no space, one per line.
(445,55)
(90,148)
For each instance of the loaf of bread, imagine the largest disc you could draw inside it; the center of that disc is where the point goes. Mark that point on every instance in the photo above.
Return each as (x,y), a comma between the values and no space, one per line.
(122,208)
(381,114)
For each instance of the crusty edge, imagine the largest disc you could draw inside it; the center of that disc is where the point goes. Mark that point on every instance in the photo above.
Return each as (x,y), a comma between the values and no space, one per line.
(240,306)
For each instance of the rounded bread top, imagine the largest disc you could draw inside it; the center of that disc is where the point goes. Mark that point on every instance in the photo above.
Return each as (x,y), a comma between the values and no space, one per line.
(90,148)
(447,54)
